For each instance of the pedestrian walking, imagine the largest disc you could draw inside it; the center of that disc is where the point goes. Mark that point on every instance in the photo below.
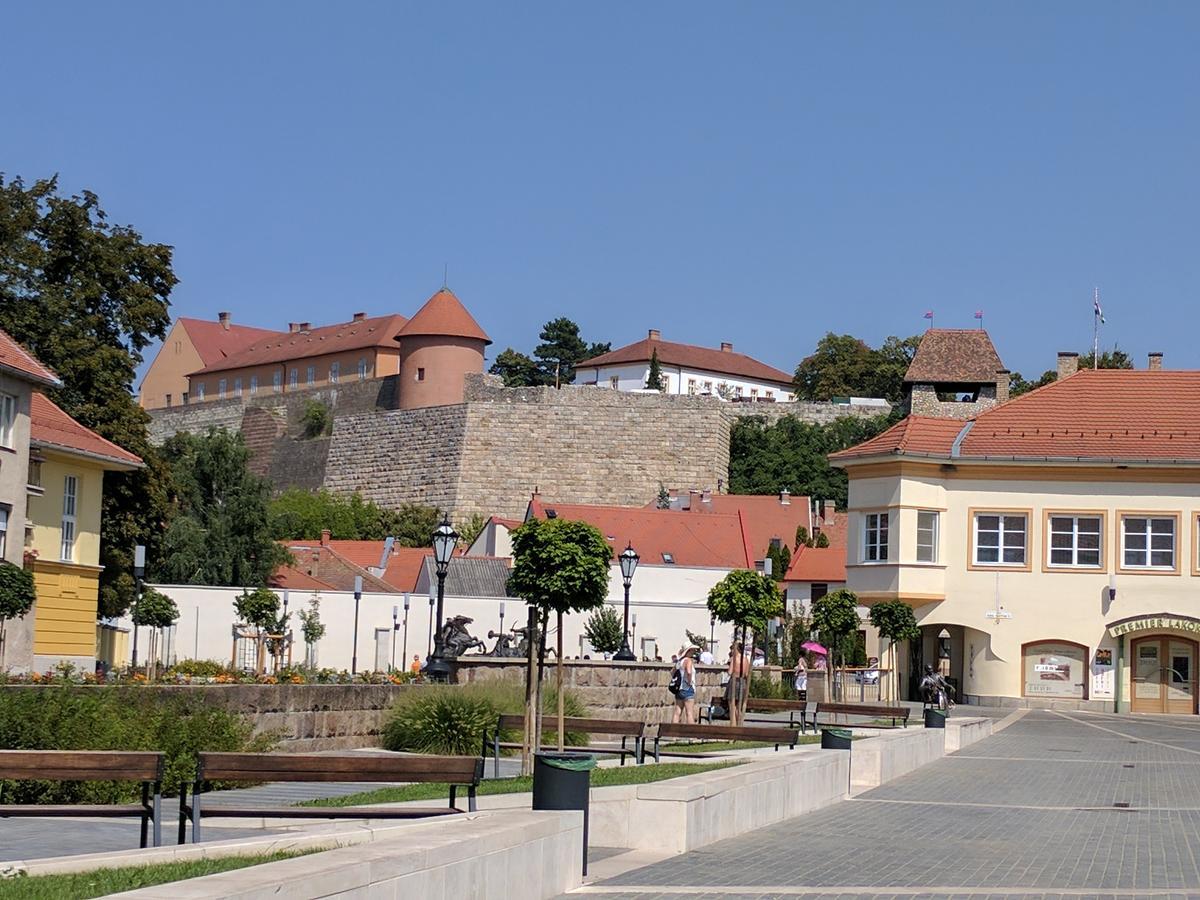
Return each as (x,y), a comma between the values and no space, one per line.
(685,699)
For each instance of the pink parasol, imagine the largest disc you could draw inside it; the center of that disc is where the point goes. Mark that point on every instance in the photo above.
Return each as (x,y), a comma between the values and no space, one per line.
(814,647)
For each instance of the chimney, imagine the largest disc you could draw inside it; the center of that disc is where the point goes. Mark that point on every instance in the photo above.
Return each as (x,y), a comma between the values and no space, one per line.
(1155,361)
(1068,363)
(706,496)
(726,347)
(305,327)
(293,327)
(785,497)
(223,318)
(1003,377)
(358,317)
(326,534)
(655,334)
(693,494)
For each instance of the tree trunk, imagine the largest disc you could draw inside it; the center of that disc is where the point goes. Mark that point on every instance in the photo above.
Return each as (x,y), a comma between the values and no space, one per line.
(559,679)
(543,627)
(528,746)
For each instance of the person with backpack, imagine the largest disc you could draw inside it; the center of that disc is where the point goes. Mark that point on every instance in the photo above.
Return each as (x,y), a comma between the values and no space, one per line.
(683,682)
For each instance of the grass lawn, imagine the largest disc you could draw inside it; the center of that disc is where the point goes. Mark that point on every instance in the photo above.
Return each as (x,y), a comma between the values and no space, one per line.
(606,777)
(102,882)
(719,746)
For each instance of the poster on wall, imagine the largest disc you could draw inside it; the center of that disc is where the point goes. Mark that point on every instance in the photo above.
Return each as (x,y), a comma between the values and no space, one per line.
(1102,673)
(1054,669)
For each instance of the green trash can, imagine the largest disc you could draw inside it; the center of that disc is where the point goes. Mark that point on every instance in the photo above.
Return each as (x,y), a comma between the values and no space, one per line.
(835,739)
(934,718)
(562,781)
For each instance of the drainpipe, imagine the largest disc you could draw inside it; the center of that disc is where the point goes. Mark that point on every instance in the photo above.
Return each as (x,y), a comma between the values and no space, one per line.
(1120,674)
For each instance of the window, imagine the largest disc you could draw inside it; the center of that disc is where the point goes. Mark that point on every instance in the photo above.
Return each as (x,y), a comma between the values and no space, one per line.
(999,539)
(277,382)
(737,391)
(237,387)
(335,369)
(692,386)
(253,385)
(754,393)
(770,395)
(1075,541)
(362,368)
(875,537)
(927,536)
(1148,542)
(420,374)
(293,378)
(4,511)
(34,480)
(70,490)
(200,391)
(615,382)
(8,420)
(669,559)
(310,375)
(818,590)
(168,401)
(708,387)
(221,389)
(184,398)
(1054,669)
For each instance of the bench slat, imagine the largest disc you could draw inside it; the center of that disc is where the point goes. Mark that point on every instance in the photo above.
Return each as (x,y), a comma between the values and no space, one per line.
(338,768)
(325,812)
(104,810)
(862,709)
(765,705)
(80,765)
(576,723)
(729,733)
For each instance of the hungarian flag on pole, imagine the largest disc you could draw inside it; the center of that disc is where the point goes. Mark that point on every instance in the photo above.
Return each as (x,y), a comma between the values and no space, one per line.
(1099,311)
(929,314)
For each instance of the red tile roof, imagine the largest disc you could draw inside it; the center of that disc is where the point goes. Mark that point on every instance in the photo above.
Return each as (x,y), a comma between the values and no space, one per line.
(764,516)
(403,565)
(291,578)
(214,342)
(53,429)
(823,564)
(279,347)
(18,361)
(707,540)
(689,356)
(1106,415)
(954,355)
(444,314)
(836,526)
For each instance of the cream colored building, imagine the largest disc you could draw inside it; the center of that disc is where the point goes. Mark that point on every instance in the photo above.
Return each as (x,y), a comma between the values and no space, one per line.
(1049,545)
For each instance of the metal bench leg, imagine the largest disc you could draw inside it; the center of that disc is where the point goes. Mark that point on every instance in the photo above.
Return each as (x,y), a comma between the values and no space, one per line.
(471,798)
(453,794)
(496,755)
(656,756)
(145,812)
(196,813)
(182,813)
(157,814)
(622,749)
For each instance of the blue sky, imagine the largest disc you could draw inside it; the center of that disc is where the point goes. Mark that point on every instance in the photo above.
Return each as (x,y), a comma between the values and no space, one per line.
(760,173)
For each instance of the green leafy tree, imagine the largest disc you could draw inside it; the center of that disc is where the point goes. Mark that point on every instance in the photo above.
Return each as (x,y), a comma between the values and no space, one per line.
(747,600)
(781,558)
(822,540)
(154,610)
(316,419)
(654,379)
(663,499)
(604,630)
(312,628)
(17,596)
(516,369)
(561,349)
(846,366)
(803,538)
(559,566)
(297,514)
(259,609)
(835,618)
(219,533)
(87,297)
(894,620)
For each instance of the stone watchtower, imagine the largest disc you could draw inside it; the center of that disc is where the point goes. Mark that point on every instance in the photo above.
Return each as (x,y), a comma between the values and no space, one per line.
(439,346)
(955,373)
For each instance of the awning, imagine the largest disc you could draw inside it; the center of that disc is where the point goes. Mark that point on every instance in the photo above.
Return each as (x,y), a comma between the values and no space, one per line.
(1152,621)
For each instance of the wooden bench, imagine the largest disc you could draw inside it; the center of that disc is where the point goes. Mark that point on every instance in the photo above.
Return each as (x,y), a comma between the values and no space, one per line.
(87,765)
(756,733)
(797,710)
(635,730)
(876,711)
(271,767)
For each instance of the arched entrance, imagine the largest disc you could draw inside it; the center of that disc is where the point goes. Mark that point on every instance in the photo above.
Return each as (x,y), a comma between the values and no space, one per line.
(1163,674)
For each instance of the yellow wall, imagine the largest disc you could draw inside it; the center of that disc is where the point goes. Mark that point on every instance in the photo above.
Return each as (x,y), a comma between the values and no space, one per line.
(381,362)
(168,373)
(45,512)
(65,615)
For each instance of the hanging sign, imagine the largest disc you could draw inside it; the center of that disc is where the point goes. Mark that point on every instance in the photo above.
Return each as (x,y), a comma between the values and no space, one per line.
(1147,623)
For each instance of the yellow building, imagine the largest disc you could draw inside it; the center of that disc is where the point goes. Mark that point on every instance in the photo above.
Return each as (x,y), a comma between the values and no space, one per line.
(66,486)
(1050,545)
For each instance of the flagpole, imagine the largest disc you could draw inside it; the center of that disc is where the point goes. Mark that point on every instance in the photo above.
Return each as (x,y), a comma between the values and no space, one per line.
(1096,328)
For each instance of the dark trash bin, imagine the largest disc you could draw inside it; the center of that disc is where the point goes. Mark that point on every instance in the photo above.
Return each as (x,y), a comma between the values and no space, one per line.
(562,781)
(835,739)
(934,718)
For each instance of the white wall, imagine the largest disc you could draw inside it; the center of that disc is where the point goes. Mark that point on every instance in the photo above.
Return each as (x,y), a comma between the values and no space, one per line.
(632,377)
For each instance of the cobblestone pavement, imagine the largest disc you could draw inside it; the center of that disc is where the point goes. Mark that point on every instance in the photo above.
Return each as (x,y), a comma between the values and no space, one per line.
(1031,812)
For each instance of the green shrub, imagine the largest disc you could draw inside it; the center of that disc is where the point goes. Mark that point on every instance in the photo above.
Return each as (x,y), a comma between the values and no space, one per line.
(200,668)
(316,419)
(763,687)
(452,719)
(116,718)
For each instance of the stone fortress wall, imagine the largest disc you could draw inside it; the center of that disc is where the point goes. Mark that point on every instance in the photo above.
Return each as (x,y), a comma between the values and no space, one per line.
(580,444)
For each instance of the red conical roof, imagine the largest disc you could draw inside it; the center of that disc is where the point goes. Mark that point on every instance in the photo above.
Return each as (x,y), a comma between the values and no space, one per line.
(443,314)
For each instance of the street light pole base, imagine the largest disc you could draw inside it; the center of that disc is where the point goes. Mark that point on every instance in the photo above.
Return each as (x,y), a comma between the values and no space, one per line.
(625,654)
(437,669)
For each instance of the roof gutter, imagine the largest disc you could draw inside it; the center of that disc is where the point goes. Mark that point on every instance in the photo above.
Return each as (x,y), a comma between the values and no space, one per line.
(114,462)
(23,375)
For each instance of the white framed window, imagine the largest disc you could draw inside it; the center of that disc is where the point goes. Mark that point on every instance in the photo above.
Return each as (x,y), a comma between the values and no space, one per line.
(237,387)
(276,382)
(310,375)
(691,385)
(200,391)
(614,382)
(253,385)
(927,535)
(1148,542)
(4,511)
(221,389)
(362,368)
(875,537)
(770,395)
(737,391)
(70,499)
(708,387)
(1075,541)
(335,370)
(1000,539)
(8,420)
(293,378)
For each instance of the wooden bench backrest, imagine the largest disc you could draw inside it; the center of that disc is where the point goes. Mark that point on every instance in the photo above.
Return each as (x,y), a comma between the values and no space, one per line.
(342,767)
(862,709)
(80,765)
(588,726)
(774,705)
(729,733)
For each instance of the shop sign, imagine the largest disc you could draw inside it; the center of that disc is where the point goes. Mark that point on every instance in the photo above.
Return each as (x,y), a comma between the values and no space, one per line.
(1152,622)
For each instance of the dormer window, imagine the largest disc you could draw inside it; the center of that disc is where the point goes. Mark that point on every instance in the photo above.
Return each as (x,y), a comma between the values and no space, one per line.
(669,559)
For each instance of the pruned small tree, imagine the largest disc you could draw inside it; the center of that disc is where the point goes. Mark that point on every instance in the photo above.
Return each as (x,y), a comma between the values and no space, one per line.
(258,609)
(747,600)
(156,611)
(604,630)
(894,620)
(312,628)
(654,379)
(558,566)
(835,617)
(17,596)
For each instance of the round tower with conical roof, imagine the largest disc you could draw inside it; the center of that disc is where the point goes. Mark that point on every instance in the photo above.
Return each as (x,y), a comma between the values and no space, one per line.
(438,347)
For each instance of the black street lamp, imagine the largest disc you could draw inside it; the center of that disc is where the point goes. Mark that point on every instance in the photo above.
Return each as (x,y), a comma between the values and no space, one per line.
(712,632)
(139,571)
(628,560)
(357,600)
(445,538)
(404,647)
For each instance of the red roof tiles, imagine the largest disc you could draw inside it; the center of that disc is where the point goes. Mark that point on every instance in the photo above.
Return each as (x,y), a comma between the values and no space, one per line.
(821,564)
(214,342)
(921,435)
(444,314)
(18,361)
(954,356)
(52,428)
(689,356)
(764,516)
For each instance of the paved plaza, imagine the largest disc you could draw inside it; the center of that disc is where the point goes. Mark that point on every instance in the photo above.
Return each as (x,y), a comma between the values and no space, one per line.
(1055,805)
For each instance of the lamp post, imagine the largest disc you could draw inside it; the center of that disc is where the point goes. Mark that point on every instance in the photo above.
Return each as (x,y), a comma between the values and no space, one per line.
(502,617)
(395,628)
(633,630)
(445,538)
(712,632)
(357,598)
(139,570)
(404,649)
(628,560)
